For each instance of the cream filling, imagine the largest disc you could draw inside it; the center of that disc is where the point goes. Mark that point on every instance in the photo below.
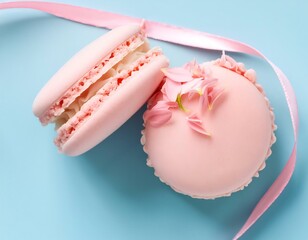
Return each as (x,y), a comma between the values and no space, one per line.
(93,104)
(124,64)
(114,57)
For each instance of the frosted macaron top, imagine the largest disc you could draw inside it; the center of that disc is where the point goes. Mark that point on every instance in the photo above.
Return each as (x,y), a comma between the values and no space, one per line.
(210,128)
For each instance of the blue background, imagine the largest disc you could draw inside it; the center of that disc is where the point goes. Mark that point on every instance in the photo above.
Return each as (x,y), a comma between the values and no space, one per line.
(109,192)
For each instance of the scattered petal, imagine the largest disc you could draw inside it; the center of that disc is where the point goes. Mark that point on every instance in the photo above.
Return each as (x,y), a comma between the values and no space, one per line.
(197,72)
(154,99)
(196,124)
(157,117)
(166,105)
(194,118)
(193,92)
(207,71)
(190,65)
(177,74)
(203,101)
(172,89)
(194,84)
(215,94)
(207,84)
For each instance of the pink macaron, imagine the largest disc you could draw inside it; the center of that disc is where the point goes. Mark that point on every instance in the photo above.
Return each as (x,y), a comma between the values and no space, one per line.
(209,129)
(100,88)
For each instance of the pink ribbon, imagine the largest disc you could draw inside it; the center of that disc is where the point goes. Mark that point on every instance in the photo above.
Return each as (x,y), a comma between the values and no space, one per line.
(190,38)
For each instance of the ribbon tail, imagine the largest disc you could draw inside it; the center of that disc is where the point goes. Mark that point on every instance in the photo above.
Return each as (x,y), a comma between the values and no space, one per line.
(198,39)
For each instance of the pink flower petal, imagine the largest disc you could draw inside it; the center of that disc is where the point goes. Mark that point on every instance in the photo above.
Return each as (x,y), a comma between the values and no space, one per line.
(157,117)
(197,72)
(215,94)
(154,99)
(196,124)
(172,89)
(194,118)
(178,74)
(192,85)
(207,71)
(203,101)
(192,93)
(165,105)
(190,65)
(206,84)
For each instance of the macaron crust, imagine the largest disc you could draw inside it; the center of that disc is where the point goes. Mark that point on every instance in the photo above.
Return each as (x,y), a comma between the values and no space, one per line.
(87,98)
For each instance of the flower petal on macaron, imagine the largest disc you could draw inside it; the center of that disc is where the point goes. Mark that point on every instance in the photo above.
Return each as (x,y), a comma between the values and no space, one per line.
(178,74)
(192,85)
(171,89)
(165,105)
(215,94)
(157,116)
(196,124)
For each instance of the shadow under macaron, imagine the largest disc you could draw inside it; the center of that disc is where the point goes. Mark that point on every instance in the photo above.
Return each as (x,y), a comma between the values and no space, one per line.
(232,212)
(120,160)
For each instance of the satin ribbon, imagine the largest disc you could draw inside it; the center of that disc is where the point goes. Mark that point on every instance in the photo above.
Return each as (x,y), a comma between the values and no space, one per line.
(192,38)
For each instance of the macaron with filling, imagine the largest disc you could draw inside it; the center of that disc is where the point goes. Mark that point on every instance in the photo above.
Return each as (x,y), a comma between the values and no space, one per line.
(100,88)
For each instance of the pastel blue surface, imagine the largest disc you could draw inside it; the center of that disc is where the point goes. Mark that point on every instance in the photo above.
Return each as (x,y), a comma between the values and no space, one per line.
(109,192)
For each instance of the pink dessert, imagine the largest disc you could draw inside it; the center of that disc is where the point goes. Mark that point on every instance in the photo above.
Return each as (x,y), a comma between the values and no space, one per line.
(86,98)
(210,128)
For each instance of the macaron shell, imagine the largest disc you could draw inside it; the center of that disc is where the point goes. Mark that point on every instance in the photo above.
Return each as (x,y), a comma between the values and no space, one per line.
(80,64)
(117,109)
(207,167)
